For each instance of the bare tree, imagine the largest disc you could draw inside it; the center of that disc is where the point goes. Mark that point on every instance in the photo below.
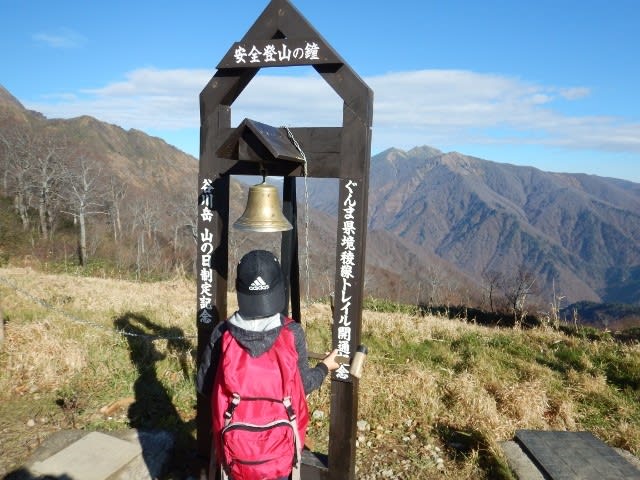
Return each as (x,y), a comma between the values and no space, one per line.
(116,192)
(5,150)
(4,162)
(556,304)
(433,279)
(452,291)
(184,215)
(17,144)
(84,196)
(47,173)
(4,168)
(144,226)
(145,218)
(492,281)
(517,289)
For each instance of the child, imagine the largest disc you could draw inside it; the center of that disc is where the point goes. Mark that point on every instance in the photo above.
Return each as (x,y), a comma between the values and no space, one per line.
(247,338)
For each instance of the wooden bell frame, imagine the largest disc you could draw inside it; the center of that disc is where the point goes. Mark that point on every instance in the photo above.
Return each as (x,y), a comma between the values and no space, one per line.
(343,153)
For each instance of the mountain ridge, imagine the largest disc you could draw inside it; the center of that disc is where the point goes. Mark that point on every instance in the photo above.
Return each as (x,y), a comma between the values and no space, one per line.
(433,215)
(159,176)
(572,219)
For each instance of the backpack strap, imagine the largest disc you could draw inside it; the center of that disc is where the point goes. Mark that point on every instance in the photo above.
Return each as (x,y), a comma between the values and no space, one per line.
(235,401)
(295,472)
(286,320)
(228,415)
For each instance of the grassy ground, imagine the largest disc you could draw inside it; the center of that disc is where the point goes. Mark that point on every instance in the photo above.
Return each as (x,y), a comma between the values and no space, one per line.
(436,398)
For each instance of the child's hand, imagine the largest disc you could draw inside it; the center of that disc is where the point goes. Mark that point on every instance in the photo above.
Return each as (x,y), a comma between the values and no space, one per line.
(330,361)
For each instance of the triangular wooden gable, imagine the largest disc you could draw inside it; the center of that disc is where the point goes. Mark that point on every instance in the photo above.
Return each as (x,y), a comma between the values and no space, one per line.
(281,20)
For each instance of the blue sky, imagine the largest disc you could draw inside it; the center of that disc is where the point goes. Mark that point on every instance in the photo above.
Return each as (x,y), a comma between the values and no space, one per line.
(549,84)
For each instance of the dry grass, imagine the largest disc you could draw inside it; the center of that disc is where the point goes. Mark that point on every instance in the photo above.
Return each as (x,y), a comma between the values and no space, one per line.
(437,395)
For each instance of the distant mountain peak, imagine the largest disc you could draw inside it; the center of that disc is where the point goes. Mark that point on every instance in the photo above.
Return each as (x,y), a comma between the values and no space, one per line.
(390,152)
(6,97)
(424,151)
(460,163)
(11,107)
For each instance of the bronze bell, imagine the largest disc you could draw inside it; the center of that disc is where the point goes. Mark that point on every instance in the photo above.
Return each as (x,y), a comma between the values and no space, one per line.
(263,212)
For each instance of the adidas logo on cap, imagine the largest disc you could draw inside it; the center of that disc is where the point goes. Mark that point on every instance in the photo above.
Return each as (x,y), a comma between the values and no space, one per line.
(259,284)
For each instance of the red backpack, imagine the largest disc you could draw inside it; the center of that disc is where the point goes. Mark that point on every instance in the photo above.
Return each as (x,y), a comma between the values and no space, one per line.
(259,410)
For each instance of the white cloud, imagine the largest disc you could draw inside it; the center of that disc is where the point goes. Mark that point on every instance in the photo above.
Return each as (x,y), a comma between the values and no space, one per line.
(146,99)
(575,93)
(433,107)
(61,38)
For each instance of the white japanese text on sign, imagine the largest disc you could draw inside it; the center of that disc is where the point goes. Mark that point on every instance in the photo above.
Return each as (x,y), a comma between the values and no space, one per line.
(272,54)
(206,252)
(346,264)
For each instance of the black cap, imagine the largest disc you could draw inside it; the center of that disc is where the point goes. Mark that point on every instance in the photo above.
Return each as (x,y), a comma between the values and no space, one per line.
(260,285)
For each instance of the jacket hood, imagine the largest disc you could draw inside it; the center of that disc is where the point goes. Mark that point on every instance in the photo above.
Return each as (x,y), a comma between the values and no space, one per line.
(256,335)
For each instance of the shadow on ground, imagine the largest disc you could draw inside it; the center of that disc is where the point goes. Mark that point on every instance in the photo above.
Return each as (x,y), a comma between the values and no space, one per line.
(24,474)
(153,409)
